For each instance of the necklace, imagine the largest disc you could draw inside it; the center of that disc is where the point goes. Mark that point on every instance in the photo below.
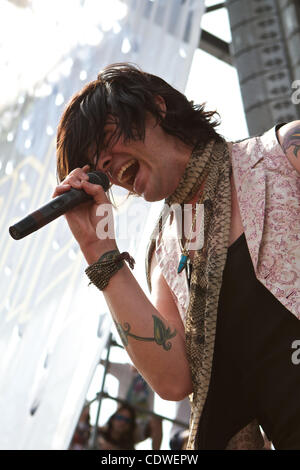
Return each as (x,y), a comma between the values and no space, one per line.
(185,261)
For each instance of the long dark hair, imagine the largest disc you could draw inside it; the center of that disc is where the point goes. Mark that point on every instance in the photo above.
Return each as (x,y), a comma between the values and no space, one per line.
(126,442)
(123,94)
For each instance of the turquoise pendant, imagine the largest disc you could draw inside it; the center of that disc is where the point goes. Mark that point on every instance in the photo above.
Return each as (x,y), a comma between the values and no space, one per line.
(182,263)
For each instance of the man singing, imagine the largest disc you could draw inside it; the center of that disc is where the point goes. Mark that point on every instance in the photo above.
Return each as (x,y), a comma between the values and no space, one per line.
(224,316)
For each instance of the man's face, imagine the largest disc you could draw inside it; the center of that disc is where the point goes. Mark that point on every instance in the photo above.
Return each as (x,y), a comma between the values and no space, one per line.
(149,168)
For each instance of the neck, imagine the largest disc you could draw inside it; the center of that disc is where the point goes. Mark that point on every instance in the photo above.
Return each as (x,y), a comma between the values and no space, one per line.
(193,176)
(182,157)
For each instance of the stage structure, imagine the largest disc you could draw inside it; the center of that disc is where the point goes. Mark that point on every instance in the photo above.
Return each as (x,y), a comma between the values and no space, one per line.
(53,328)
(266,53)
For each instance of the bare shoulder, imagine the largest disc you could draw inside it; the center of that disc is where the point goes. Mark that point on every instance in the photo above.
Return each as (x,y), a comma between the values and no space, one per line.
(289,139)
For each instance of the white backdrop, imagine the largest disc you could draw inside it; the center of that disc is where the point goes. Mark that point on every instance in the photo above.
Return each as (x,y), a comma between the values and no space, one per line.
(52,326)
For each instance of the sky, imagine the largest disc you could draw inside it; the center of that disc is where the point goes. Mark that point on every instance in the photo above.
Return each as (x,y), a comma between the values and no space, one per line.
(216,82)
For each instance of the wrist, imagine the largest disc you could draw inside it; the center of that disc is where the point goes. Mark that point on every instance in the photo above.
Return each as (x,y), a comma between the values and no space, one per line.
(93,251)
(107,266)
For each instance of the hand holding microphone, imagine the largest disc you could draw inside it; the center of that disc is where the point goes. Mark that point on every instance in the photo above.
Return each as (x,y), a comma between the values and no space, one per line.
(69,194)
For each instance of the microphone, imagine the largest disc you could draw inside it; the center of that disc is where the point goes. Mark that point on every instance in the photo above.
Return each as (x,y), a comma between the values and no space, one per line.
(55,208)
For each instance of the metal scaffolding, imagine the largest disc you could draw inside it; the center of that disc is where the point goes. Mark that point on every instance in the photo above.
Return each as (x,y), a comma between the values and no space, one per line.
(266,53)
(103,395)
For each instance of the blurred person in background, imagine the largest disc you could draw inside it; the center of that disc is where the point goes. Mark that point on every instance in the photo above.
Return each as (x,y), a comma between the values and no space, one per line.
(179,434)
(135,391)
(80,440)
(119,432)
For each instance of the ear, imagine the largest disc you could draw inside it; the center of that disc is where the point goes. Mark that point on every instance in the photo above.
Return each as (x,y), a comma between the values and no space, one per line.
(161,104)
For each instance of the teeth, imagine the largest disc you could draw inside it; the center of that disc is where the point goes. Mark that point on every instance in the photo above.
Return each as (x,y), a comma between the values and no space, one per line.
(124,167)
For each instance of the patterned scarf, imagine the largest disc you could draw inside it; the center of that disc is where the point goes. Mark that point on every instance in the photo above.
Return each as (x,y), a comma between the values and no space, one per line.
(212,165)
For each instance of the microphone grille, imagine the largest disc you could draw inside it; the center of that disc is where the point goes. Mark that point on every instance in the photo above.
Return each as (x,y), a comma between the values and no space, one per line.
(97,177)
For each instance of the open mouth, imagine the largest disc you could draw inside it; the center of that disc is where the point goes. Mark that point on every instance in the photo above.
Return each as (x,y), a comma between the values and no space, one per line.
(128,172)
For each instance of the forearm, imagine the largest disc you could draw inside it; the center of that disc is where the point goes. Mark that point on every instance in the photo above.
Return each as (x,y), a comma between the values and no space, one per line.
(155,345)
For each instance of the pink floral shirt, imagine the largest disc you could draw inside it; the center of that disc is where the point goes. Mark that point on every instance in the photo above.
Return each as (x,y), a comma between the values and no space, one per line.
(168,255)
(268,193)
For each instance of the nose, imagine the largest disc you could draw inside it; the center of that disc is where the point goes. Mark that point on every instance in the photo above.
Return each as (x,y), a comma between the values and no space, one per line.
(104,162)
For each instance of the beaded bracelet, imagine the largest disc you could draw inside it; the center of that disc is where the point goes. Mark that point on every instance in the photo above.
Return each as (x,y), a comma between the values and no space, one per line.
(107,265)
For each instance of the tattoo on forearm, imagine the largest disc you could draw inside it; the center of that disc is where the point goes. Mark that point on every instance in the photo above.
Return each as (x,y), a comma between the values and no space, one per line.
(161,334)
(292,140)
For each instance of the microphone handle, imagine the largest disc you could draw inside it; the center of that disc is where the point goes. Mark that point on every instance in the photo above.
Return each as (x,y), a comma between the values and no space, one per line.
(50,211)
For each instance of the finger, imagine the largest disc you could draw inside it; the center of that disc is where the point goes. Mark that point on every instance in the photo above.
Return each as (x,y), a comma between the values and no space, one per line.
(75,179)
(82,172)
(78,174)
(96,191)
(86,168)
(61,189)
(75,183)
